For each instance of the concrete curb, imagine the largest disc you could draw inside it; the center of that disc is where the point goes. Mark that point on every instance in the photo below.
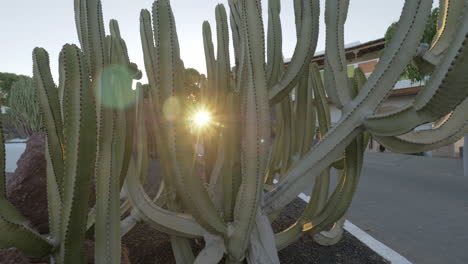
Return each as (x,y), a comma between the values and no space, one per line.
(378,247)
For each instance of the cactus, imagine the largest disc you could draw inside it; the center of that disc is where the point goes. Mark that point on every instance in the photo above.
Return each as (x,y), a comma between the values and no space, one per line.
(24,111)
(88,119)
(246,177)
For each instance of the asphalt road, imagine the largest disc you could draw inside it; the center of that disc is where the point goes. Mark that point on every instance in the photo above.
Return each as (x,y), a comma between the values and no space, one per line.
(417,206)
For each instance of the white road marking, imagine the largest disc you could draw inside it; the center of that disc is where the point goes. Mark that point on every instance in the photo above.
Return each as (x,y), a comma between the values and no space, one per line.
(378,247)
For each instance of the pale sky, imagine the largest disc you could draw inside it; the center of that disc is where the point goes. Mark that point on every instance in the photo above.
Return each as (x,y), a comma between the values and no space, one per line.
(26,24)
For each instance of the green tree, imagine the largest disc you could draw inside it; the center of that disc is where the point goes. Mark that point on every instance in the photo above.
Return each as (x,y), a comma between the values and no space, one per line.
(192,82)
(411,71)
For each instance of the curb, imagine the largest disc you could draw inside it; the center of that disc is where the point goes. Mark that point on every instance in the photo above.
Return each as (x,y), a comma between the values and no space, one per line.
(378,247)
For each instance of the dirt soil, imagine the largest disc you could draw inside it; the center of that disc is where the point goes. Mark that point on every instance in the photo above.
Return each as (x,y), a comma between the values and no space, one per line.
(147,245)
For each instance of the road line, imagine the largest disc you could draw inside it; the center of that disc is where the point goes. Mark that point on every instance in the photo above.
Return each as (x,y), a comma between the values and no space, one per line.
(378,247)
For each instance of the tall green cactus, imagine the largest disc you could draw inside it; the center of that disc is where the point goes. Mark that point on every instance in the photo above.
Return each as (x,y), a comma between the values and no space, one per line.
(86,118)
(229,195)
(24,111)
(292,155)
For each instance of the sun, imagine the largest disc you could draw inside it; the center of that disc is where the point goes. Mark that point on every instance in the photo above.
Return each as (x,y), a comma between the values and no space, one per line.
(202,118)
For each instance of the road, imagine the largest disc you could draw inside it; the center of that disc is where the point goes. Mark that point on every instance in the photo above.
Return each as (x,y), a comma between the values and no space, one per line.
(417,206)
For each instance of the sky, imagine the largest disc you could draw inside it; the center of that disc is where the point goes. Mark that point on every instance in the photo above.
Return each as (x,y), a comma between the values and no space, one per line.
(26,24)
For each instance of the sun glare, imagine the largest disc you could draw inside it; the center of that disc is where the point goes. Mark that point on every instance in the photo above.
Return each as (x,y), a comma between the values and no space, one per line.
(202,118)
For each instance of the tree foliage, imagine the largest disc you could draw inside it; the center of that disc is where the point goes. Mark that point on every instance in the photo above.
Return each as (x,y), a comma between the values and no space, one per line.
(192,82)
(411,72)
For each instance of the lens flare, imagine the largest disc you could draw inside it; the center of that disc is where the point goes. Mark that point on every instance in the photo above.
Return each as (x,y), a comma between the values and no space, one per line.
(202,118)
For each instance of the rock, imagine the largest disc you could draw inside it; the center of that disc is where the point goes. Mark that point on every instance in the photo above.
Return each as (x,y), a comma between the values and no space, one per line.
(89,247)
(12,256)
(26,187)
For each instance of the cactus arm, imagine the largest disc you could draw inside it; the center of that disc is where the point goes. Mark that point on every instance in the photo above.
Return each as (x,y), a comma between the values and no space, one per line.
(234,23)
(450,12)
(24,239)
(223,75)
(236,14)
(128,223)
(191,189)
(444,90)
(124,117)
(61,84)
(298,9)
(7,210)
(129,141)
(440,17)
(48,100)
(447,90)
(312,211)
(142,136)
(455,122)
(404,146)
(403,120)
(173,223)
(255,130)
(336,74)
(154,99)
(147,41)
(275,65)
(303,52)
(232,177)
(49,103)
(213,252)
(106,196)
(287,137)
(310,118)
(107,225)
(79,151)
(182,250)
(323,109)
(299,114)
(305,116)
(321,187)
(322,183)
(332,236)
(80,11)
(354,157)
(91,32)
(262,249)
(209,56)
(450,131)
(276,149)
(398,54)
(314,220)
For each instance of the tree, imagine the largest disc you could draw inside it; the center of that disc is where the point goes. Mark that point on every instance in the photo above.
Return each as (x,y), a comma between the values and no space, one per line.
(192,82)
(411,71)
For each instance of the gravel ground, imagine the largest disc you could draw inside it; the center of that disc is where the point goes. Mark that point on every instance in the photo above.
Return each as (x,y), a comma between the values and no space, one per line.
(147,246)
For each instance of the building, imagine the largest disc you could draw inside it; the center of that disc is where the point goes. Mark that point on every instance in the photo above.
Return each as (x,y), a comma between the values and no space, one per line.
(366,56)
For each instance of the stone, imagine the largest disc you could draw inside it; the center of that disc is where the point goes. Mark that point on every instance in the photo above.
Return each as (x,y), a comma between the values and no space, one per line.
(12,256)
(26,187)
